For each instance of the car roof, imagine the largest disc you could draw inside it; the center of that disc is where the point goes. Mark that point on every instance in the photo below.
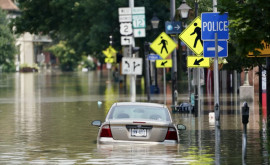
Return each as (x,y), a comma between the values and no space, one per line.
(140,103)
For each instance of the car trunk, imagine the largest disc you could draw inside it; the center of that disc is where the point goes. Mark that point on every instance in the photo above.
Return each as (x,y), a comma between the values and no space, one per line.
(139,130)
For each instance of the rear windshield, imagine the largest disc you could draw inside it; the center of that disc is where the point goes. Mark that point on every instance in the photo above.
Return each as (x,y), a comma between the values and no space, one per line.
(139,112)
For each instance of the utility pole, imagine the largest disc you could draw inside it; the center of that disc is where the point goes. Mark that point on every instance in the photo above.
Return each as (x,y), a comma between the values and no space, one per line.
(174,59)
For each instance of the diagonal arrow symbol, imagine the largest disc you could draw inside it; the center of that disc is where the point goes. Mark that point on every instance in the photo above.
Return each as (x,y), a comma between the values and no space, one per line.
(163,63)
(197,62)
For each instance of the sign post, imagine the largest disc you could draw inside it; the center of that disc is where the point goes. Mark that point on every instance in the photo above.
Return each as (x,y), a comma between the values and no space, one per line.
(163,45)
(214,29)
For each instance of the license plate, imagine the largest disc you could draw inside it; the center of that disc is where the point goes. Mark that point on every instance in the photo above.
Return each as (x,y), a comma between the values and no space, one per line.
(139,132)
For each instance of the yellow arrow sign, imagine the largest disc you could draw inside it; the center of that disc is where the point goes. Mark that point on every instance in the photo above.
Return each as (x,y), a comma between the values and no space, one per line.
(109,52)
(265,52)
(198,61)
(164,63)
(191,36)
(163,45)
(109,60)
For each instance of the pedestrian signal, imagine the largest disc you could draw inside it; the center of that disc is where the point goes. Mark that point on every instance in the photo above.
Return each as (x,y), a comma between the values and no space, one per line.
(163,45)
(192,36)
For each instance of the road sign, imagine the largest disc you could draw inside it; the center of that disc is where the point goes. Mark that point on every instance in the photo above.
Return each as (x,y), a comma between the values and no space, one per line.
(109,60)
(126,28)
(125,18)
(109,52)
(265,52)
(163,45)
(126,40)
(132,66)
(138,33)
(191,36)
(138,10)
(215,23)
(164,63)
(198,61)
(154,57)
(209,49)
(124,11)
(138,21)
(172,27)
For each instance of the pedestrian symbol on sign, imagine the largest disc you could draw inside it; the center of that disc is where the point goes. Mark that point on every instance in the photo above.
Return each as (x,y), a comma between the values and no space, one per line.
(163,41)
(192,34)
(197,30)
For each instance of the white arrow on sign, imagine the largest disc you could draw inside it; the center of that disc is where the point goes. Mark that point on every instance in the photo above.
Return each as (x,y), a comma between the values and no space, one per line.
(126,40)
(213,48)
(177,27)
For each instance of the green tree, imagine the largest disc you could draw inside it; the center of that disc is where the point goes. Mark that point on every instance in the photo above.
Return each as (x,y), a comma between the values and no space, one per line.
(7,45)
(249,26)
(67,56)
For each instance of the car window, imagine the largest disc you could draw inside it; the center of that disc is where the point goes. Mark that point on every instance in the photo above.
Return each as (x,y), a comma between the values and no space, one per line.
(139,112)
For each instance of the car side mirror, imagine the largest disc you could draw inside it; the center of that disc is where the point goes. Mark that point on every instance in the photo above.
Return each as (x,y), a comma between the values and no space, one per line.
(181,127)
(96,123)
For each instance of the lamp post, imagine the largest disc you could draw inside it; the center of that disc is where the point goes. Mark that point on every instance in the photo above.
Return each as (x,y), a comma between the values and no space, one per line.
(183,9)
(155,21)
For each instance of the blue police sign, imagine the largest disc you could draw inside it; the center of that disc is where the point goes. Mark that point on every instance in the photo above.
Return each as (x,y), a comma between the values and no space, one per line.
(209,48)
(215,23)
(172,27)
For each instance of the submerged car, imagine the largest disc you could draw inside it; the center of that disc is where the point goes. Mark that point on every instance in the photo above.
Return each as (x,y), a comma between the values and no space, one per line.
(138,122)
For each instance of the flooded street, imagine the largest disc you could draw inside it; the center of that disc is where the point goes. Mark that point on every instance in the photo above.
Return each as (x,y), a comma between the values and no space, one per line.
(45,118)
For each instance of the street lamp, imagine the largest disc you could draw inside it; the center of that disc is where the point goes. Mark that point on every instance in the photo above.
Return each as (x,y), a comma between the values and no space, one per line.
(155,22)
(183,9)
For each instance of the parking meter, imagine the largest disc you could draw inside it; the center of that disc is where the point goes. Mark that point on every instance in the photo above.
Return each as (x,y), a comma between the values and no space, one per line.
(245,113)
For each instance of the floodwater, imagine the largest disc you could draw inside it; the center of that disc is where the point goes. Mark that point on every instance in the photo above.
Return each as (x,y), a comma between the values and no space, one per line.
(45,118)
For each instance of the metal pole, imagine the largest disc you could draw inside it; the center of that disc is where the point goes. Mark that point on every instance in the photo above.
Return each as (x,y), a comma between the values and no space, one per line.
(174,59)
(147,74)
(164,83)
(216,80)
(198,71)
(132,77)
(216,77)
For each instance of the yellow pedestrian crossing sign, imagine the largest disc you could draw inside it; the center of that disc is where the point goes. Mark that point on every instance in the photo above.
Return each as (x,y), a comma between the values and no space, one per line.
(198,61)
(164,63)
(191,36)
(109,52)
(163,45)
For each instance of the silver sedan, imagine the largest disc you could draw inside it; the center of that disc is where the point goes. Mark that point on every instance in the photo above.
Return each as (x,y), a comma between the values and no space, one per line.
(138,122)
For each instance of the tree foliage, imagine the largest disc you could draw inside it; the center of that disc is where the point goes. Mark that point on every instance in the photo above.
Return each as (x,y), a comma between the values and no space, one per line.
(66,55)
(85,24)
(7,45)
(249,26)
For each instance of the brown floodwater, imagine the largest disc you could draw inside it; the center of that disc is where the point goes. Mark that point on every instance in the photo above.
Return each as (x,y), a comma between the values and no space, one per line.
(45,118)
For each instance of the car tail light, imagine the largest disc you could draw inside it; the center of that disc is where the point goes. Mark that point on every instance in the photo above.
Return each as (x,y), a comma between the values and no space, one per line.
(171,134)
(106,131)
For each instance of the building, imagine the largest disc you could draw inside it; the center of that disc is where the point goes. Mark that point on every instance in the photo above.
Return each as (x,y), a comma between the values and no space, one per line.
(30,46)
